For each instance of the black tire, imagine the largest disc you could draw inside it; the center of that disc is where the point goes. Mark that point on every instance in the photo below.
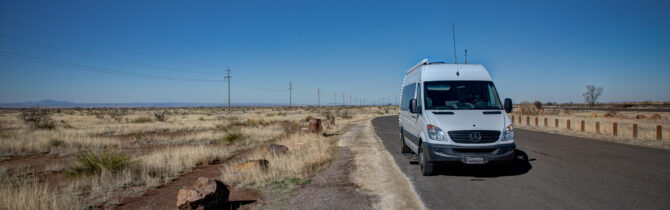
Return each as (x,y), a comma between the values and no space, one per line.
(426,166)
(405,148)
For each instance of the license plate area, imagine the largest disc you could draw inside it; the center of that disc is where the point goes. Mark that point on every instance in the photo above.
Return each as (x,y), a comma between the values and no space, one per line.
(474,160)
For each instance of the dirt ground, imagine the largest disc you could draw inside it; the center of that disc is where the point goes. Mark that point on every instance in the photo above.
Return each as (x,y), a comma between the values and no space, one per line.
(363,176)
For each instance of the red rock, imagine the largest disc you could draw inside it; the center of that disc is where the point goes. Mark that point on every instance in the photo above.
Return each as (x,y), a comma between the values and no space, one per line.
(205,193)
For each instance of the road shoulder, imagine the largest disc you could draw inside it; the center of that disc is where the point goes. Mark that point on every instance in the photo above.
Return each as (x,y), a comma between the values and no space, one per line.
(377,173)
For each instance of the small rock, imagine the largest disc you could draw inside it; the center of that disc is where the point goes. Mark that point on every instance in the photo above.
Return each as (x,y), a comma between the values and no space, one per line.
(277,149)
(205,193)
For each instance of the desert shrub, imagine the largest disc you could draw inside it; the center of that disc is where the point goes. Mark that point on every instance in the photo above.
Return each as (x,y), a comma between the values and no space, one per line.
(138,135)
(270,114)
(656,116)
(56,142)
(528,109)
(160,116)
(117,114)
(142,120)
(538,105)
(329,116)
(232,137)
(38,118)
(95,162)
(344,114)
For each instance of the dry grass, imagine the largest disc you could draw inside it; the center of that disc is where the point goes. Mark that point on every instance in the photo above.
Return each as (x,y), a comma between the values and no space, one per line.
(34,195)
(156,151)
(306,152)
(162,166)
(646,134)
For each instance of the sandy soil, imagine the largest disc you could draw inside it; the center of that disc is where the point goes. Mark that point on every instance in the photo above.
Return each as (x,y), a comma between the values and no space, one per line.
(363,176)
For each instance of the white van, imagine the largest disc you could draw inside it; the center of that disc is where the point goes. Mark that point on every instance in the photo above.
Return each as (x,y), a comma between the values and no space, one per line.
(451,113)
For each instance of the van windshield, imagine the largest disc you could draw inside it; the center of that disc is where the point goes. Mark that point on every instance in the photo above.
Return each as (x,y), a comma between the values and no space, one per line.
(459,95)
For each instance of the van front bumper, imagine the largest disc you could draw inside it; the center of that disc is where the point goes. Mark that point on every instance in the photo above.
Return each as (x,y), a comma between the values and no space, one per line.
(500,153)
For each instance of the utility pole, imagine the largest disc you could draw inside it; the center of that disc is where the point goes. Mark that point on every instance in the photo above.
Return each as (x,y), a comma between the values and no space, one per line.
(335,99)
(290,93)
(343,103)
(228,78)
(349,100)
(396,99)
(318,93)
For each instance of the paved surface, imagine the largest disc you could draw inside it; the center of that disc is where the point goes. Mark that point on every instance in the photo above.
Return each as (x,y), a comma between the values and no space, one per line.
(551,171)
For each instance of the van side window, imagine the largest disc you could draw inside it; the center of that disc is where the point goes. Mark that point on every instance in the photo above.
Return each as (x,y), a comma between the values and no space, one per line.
(407,94)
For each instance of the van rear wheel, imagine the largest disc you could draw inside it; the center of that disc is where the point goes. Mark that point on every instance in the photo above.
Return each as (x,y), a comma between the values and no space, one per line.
(405,148)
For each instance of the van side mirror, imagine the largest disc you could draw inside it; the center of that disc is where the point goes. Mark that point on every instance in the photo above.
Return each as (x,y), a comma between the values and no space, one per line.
(412,106)
(508,105)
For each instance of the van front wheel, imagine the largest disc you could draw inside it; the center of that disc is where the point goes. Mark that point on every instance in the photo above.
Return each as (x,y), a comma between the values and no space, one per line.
(426,166)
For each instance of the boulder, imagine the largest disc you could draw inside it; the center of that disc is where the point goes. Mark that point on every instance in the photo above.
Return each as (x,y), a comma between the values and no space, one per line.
(277,149)
(205,193)
(252,165)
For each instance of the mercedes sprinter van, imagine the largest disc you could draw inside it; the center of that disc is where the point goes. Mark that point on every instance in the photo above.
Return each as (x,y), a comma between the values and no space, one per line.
(451,113)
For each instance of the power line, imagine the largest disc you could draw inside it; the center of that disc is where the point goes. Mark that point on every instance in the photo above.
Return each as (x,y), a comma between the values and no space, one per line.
(88,68)
(99,57)
(102,45)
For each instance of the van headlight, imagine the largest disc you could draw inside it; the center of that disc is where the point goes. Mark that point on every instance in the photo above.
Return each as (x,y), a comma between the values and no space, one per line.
(508,133)
(436,133)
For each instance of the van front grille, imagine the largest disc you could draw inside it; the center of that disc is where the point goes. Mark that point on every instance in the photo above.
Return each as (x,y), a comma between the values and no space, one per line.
(463,137)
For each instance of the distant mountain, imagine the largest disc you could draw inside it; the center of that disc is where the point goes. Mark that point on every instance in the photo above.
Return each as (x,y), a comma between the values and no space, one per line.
(67,104)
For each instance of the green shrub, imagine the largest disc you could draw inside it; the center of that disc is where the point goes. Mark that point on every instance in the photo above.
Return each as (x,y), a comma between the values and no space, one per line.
(95,162)
(138,135)
(232,137)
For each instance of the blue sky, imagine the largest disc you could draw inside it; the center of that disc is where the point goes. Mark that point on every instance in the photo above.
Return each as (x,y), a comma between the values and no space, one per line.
(177,51)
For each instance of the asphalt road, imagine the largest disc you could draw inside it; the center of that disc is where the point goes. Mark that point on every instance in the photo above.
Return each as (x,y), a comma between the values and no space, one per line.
(550,171)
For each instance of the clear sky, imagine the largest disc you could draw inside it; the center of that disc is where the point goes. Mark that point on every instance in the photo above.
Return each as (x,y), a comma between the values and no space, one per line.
(177,51)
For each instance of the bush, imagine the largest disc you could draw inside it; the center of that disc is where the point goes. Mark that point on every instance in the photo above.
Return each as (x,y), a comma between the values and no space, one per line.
(142,120)
(160,116)
(538,105)
(528,109)
(232,137)
(56,142)
(95,162)
(38,118)
(118,114)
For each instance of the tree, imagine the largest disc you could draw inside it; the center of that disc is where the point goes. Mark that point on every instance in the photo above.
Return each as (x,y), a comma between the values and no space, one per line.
(592,94)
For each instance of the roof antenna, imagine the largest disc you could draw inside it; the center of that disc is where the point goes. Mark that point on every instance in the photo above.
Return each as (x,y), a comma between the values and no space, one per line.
(453,34)
(466,56)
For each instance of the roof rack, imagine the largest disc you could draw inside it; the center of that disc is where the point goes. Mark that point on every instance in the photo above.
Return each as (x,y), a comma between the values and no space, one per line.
(423,62)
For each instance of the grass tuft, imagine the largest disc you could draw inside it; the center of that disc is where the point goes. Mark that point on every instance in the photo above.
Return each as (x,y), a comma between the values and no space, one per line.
(96,162)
